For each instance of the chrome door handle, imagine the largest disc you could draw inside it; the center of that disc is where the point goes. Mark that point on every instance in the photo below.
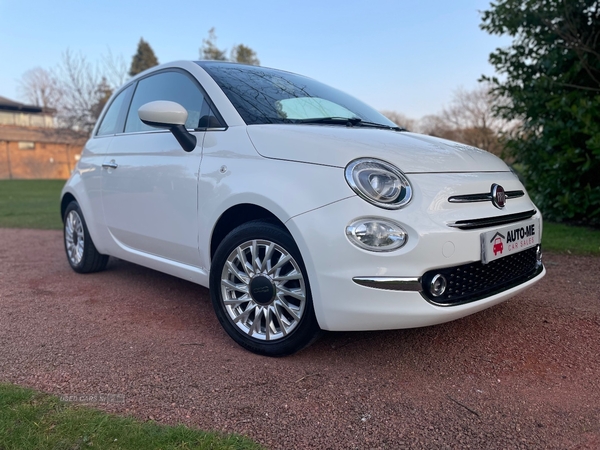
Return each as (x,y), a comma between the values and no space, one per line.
(110,165)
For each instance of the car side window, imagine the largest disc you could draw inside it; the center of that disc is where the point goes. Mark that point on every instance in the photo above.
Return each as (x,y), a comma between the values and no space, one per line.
(110,121)
(172,86)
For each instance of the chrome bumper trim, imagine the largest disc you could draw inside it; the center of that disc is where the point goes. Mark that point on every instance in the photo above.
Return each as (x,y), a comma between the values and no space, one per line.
(390,283)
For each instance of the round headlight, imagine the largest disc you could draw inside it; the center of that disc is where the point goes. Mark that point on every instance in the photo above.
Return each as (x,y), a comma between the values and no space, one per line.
(375,234)
(379,183)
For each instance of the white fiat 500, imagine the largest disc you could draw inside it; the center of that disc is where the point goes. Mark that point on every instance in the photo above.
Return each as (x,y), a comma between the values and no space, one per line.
(300,207)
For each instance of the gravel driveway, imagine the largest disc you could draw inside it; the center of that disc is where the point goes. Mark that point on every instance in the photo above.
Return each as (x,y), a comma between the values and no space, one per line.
(524,374)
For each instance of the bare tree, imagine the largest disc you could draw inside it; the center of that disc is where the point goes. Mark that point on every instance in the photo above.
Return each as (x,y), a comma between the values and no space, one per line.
(470,119)
(78,82)
(114,69)
(474,109)
(76,88)
(436,125)
(401,120)
(40,88)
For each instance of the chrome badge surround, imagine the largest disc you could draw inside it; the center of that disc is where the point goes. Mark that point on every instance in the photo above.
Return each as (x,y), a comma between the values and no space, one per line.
(498,196)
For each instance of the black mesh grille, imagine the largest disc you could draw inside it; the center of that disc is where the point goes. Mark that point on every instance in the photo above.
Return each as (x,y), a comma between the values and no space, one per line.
(474,281)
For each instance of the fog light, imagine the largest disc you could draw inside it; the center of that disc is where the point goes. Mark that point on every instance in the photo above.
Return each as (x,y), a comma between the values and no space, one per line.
(438,285)
(538,254)
(378,235)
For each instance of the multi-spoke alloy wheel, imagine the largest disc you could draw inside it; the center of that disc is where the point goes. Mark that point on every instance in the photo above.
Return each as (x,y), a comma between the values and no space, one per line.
(260,290)
(81,251)
(74,239)
(263,290)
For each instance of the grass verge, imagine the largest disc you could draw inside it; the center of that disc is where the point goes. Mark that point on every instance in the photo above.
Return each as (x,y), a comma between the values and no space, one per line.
(30,203)
(33,420)
(560,238)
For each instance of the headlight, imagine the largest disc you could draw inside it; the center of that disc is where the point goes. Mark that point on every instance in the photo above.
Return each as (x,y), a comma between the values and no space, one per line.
(375,234)
(379,183)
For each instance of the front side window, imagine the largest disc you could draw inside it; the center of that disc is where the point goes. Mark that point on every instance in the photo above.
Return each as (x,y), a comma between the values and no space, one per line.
(110,121)
(263,96)
(172,86)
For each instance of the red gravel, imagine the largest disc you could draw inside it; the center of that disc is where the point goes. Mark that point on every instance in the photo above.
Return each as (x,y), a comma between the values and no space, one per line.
(524,374)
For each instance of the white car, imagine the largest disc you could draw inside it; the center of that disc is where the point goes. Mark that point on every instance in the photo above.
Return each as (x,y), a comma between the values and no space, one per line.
(300,207)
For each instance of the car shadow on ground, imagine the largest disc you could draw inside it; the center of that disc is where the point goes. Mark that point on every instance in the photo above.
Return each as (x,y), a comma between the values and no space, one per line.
(447,338)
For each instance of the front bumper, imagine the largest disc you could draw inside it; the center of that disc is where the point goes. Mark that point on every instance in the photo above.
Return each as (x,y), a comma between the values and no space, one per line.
(346,281)
(358,308)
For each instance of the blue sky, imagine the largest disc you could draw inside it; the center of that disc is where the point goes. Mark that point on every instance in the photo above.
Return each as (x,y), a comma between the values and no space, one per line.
(403,55)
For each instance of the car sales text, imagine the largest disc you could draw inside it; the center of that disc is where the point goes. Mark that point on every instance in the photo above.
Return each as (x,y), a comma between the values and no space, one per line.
(521,237)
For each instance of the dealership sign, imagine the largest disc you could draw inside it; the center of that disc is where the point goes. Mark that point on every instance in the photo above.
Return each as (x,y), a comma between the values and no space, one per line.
(509,240)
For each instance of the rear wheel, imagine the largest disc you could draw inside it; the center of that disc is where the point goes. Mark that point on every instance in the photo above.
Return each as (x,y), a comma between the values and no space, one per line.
(260,290)
(81,252)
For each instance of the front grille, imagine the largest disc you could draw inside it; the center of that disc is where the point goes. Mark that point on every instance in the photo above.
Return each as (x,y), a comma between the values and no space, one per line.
(484,197)
(474,281)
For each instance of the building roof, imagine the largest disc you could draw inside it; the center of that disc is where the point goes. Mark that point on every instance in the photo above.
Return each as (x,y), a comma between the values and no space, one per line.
(7,104)
(45,135)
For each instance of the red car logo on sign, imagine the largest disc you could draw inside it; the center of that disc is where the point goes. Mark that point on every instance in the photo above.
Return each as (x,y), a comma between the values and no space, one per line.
(498,246)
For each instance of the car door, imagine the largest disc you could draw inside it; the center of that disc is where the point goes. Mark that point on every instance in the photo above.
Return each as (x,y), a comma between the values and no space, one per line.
(149,184)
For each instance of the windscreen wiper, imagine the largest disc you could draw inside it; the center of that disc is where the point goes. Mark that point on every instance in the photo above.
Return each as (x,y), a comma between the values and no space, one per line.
(349,122)
(363,123)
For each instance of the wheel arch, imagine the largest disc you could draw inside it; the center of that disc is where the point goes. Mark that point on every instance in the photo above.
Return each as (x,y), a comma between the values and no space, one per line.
(93,216)
(237,215)
(64,202)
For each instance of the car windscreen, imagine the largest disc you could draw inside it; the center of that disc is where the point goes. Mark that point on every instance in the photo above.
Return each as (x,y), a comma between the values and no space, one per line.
(263,96)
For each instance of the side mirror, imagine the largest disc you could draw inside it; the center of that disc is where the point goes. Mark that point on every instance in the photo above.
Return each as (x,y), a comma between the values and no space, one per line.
(170,115)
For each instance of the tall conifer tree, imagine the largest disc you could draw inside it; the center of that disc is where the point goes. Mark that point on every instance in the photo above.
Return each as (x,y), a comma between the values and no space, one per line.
(143,59)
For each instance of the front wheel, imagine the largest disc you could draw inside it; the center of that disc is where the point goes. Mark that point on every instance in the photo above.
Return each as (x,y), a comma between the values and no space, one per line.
(260,290)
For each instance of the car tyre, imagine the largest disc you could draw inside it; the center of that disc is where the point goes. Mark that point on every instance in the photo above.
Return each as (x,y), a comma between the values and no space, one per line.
(260,290)
(81,251)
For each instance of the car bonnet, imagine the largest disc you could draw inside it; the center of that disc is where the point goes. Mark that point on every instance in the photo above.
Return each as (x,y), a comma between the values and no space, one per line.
(338,145)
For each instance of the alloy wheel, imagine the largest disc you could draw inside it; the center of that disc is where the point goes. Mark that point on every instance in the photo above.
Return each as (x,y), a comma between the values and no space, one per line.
(263,290)
(74,237)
